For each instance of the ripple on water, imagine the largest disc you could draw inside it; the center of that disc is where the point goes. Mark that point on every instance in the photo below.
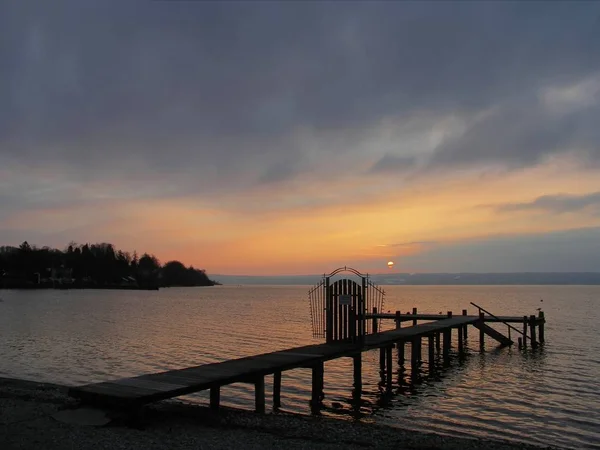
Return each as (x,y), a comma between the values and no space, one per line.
(547,396)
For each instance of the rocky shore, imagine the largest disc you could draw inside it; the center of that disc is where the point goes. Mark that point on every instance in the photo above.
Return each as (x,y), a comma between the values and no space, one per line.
(42,416)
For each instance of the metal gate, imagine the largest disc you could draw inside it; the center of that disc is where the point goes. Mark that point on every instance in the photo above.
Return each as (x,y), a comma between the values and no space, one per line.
(338,308)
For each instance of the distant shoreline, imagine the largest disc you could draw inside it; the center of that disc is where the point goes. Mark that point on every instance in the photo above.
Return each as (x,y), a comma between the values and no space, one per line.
(36,287)
(433,279)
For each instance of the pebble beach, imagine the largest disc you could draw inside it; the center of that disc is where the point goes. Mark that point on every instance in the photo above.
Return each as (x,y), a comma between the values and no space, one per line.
(42,416)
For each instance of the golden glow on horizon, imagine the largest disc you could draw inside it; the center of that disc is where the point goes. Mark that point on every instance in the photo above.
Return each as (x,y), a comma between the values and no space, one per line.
(267,236)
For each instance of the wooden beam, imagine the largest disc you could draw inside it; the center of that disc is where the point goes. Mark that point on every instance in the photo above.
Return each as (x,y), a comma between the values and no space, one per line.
(317,387)
(481,333)
(446,346)
(389,366)
(400,347)
(259,395)
(374,320)
(357,366)
(541,321)
(431,346)
(493,333)
(215,397)
(414,353)
(532,331)
(277,390)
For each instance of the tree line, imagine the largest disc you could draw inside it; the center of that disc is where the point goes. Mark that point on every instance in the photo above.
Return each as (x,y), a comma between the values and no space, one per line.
(92,265)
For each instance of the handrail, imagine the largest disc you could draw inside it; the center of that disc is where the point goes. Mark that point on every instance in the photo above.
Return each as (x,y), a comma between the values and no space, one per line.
(497,318)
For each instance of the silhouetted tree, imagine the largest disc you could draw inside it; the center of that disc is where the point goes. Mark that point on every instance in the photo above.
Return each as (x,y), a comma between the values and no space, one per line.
(91,265)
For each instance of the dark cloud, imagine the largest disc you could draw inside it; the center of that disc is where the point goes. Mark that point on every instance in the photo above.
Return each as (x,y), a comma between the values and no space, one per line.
(207,96)
(394,164)
(559,203)
(563,251)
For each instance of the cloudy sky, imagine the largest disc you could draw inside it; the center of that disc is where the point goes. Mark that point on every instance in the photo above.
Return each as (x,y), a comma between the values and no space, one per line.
(286,138)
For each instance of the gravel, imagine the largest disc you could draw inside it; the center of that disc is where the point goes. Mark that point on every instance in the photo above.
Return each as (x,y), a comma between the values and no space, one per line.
(30,418)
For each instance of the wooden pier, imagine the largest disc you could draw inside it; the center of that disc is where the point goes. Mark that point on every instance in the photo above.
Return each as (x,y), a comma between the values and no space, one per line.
(352,340)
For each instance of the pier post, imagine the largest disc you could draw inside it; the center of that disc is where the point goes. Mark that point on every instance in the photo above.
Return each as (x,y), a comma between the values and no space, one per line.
(481,333)
(398,320)
(450,330)
(374,320)
(414,313)
(389,366)
(382,361)
(438,345)
(215,397)
(446,347)
(461,344)
(357,365)
(400,347)
(277,390)
(317,387)
(525,322)
(329,312)
(542,321)
(259,395)
(414,355)
(532,331)
(520,343)
(431,353)
(464,328)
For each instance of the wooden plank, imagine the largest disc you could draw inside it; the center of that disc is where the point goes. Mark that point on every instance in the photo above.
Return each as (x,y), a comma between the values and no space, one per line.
(259,395)
(167,384)
(145,383)
(412,317)
(277,390)
(215,397)
(494,334)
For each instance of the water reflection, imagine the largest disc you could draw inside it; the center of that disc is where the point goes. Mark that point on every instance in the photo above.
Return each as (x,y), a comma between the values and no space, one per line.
(547,395)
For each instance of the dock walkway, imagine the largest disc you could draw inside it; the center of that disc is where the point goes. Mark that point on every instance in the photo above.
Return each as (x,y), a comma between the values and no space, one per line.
(144,389)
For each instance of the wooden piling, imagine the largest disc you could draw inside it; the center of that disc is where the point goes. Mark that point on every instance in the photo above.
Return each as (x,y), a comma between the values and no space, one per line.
(461,347)
(520,340)
(542,321)
(374,320)
(277,390)
(532,331)
(464,328)
(357,366)
(400,347)
(397,320)
(389,366)
(438,345)
(481,333)
(259,395)
(382,361)
(414,355)
(431,353)
(525,322)
(446,347)
(415,319)
(317,387)
(215,397)
(449,314)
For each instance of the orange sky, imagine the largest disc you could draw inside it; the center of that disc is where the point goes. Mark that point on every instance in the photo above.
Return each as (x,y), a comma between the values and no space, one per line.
(293,138)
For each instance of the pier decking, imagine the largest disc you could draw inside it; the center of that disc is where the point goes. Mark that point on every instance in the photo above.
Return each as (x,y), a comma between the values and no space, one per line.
(144,389)
(339,314)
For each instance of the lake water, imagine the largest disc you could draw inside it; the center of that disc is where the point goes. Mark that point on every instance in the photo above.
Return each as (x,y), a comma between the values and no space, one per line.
(550,395)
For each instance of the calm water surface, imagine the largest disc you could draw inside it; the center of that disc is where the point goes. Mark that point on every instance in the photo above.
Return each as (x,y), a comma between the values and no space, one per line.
(548,396)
